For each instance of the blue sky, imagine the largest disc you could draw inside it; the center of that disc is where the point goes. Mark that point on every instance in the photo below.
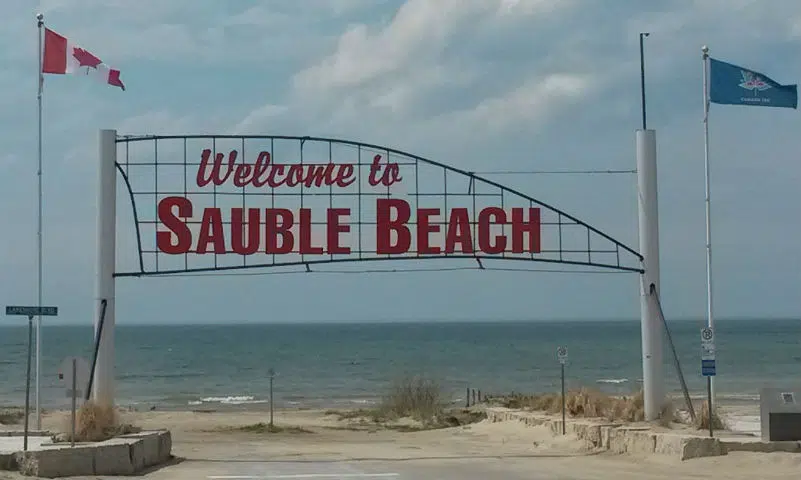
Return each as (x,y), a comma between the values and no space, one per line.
(481,85)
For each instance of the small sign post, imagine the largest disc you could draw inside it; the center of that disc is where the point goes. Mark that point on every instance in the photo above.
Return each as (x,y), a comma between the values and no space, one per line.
(74,372)
(271,372)
(29,312)
(708,367)
(561,355)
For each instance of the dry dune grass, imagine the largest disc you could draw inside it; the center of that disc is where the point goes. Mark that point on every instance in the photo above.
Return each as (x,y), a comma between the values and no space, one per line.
(702,419)
(589,403)
(95,423)
(416,397)
(584,402)
(11,416)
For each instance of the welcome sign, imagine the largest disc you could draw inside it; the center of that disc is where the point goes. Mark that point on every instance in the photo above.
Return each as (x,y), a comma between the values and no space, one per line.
(253,230)
(203,203)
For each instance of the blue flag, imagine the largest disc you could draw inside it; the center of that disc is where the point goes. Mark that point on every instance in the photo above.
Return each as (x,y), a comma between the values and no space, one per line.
(733,85)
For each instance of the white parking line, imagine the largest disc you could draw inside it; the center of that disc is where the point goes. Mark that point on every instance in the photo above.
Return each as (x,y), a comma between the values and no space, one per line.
(303,475)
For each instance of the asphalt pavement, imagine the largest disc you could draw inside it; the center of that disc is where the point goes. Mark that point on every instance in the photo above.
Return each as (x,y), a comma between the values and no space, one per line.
(438,469)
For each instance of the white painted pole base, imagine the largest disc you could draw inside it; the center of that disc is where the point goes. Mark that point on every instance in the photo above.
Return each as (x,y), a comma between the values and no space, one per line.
(103,383)
(652,371)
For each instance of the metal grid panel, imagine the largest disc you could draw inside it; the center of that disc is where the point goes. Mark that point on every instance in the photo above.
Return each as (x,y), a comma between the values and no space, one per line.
(330,174)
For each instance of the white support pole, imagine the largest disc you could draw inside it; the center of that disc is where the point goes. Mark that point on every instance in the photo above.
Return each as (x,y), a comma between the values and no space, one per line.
(103,383)
(651,329)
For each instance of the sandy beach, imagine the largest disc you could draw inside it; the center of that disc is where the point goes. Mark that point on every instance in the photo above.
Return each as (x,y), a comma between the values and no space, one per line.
(234,444)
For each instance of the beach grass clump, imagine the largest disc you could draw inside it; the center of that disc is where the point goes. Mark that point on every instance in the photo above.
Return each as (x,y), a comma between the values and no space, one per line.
(543,402)
(414,397)
(375,415)
(669,415)
(95,423)
(702,419)
(271,428)
(582,402)
(11,416)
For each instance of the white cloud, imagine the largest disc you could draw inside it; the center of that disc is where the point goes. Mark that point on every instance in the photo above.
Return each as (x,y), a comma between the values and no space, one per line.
(417,34)
(796,29)
(257,119)
(166,123)
(532,102)
(527,7)
(429,62)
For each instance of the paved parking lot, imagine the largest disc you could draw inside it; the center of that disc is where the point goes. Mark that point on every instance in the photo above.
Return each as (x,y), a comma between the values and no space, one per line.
(440,469)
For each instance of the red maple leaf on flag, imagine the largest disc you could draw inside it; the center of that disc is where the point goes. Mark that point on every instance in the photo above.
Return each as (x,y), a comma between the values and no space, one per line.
(85,59)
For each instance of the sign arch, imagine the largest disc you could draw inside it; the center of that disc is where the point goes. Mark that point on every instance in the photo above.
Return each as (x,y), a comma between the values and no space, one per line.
(205,203)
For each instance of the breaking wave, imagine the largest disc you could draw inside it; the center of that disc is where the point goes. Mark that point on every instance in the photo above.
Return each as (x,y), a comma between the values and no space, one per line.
(615,381)
(229,400)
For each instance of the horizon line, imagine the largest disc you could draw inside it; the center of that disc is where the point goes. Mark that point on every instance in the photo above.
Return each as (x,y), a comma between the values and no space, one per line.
(400,321)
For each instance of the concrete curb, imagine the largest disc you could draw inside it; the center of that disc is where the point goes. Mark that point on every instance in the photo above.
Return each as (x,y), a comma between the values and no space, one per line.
(622,439)
(8,461)
(123,455)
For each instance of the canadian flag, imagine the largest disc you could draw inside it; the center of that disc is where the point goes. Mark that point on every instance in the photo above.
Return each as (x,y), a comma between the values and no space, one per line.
(62,56)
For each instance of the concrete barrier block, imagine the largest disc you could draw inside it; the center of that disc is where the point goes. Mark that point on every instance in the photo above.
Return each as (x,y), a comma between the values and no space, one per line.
(574,428)
(8,461)
(126,455)
(113,457)
(57,462)
(137,454)
(606,432)
(667,444)
(638,441)
(165,447)
(592,434)
(760,447)
(698,447)
(617,440)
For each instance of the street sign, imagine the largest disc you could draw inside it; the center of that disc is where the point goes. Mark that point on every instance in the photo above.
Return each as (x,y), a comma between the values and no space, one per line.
(707,344)
(561,354)
(708,368)
(32,311)
(81,375)
(707,352)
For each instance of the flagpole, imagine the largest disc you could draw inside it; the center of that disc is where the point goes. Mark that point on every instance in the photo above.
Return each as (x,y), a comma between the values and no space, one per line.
(40,24)
(709,312)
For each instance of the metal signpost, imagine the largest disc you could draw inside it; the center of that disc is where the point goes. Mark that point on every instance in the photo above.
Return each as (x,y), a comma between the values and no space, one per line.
(74,372)
(29,312)
(708,366)
(561,355)
(271,372)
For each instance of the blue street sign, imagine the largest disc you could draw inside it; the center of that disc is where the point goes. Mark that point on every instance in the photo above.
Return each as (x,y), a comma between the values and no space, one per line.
(31,311)
(708,368)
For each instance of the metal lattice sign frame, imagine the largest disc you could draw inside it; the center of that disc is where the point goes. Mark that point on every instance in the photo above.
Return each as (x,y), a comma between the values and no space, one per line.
(230,202)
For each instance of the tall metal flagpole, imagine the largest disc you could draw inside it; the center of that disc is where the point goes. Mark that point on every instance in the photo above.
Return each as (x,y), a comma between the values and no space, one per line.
(710,318)
(40,23)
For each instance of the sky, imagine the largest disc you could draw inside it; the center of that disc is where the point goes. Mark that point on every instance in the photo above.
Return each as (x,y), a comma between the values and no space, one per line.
(481,85)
